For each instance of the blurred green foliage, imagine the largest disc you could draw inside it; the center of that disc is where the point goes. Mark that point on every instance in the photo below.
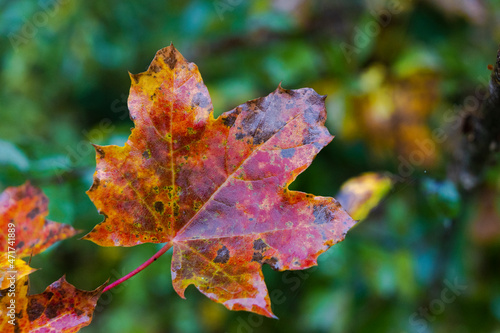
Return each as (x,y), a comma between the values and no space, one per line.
(64,85)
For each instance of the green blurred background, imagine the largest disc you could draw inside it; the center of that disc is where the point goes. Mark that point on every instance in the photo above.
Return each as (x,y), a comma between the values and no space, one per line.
(395,72)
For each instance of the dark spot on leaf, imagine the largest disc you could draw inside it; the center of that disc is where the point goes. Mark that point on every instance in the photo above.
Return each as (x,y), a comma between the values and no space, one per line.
(287,153)
(79,312)
(272,262)
(310,116)
(33,213)
(20,244)
(239,136)
(257,256)
(105,216)
(95,184)
(154,67)
(317,145)
(258,103)
(35,309)
(200,100)
(176,209)
(259,245)
(259,138)
(52,310)
(322,214)
(263,118)
(229,120)
(146,154)
(171,59)
(159,207)
(222,255)
(315,99)
(135,78)
(100,151)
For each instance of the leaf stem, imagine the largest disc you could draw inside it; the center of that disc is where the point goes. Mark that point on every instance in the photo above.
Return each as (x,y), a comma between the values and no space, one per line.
(140,268)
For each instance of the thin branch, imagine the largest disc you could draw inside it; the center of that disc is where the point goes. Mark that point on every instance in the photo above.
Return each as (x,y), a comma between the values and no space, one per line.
(481,135)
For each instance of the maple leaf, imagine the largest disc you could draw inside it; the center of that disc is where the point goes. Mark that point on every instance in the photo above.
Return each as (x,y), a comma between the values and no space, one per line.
(216,189)
(23,210)
(60,308)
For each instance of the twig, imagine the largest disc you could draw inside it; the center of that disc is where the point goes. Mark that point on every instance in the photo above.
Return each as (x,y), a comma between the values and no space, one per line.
(481,136)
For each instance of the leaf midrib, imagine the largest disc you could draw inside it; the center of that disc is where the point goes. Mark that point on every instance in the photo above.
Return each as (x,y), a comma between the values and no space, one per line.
(230,176)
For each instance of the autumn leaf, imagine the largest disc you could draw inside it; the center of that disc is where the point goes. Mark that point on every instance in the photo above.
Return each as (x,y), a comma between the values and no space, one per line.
(216,190)
(359,195)
(23,210)
(60,308)
(9,265)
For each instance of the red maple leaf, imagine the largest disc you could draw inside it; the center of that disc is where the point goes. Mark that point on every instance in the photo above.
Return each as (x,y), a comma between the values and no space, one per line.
(216,190)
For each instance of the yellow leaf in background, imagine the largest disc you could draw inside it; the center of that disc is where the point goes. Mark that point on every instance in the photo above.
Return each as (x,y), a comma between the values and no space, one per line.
(359,195)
